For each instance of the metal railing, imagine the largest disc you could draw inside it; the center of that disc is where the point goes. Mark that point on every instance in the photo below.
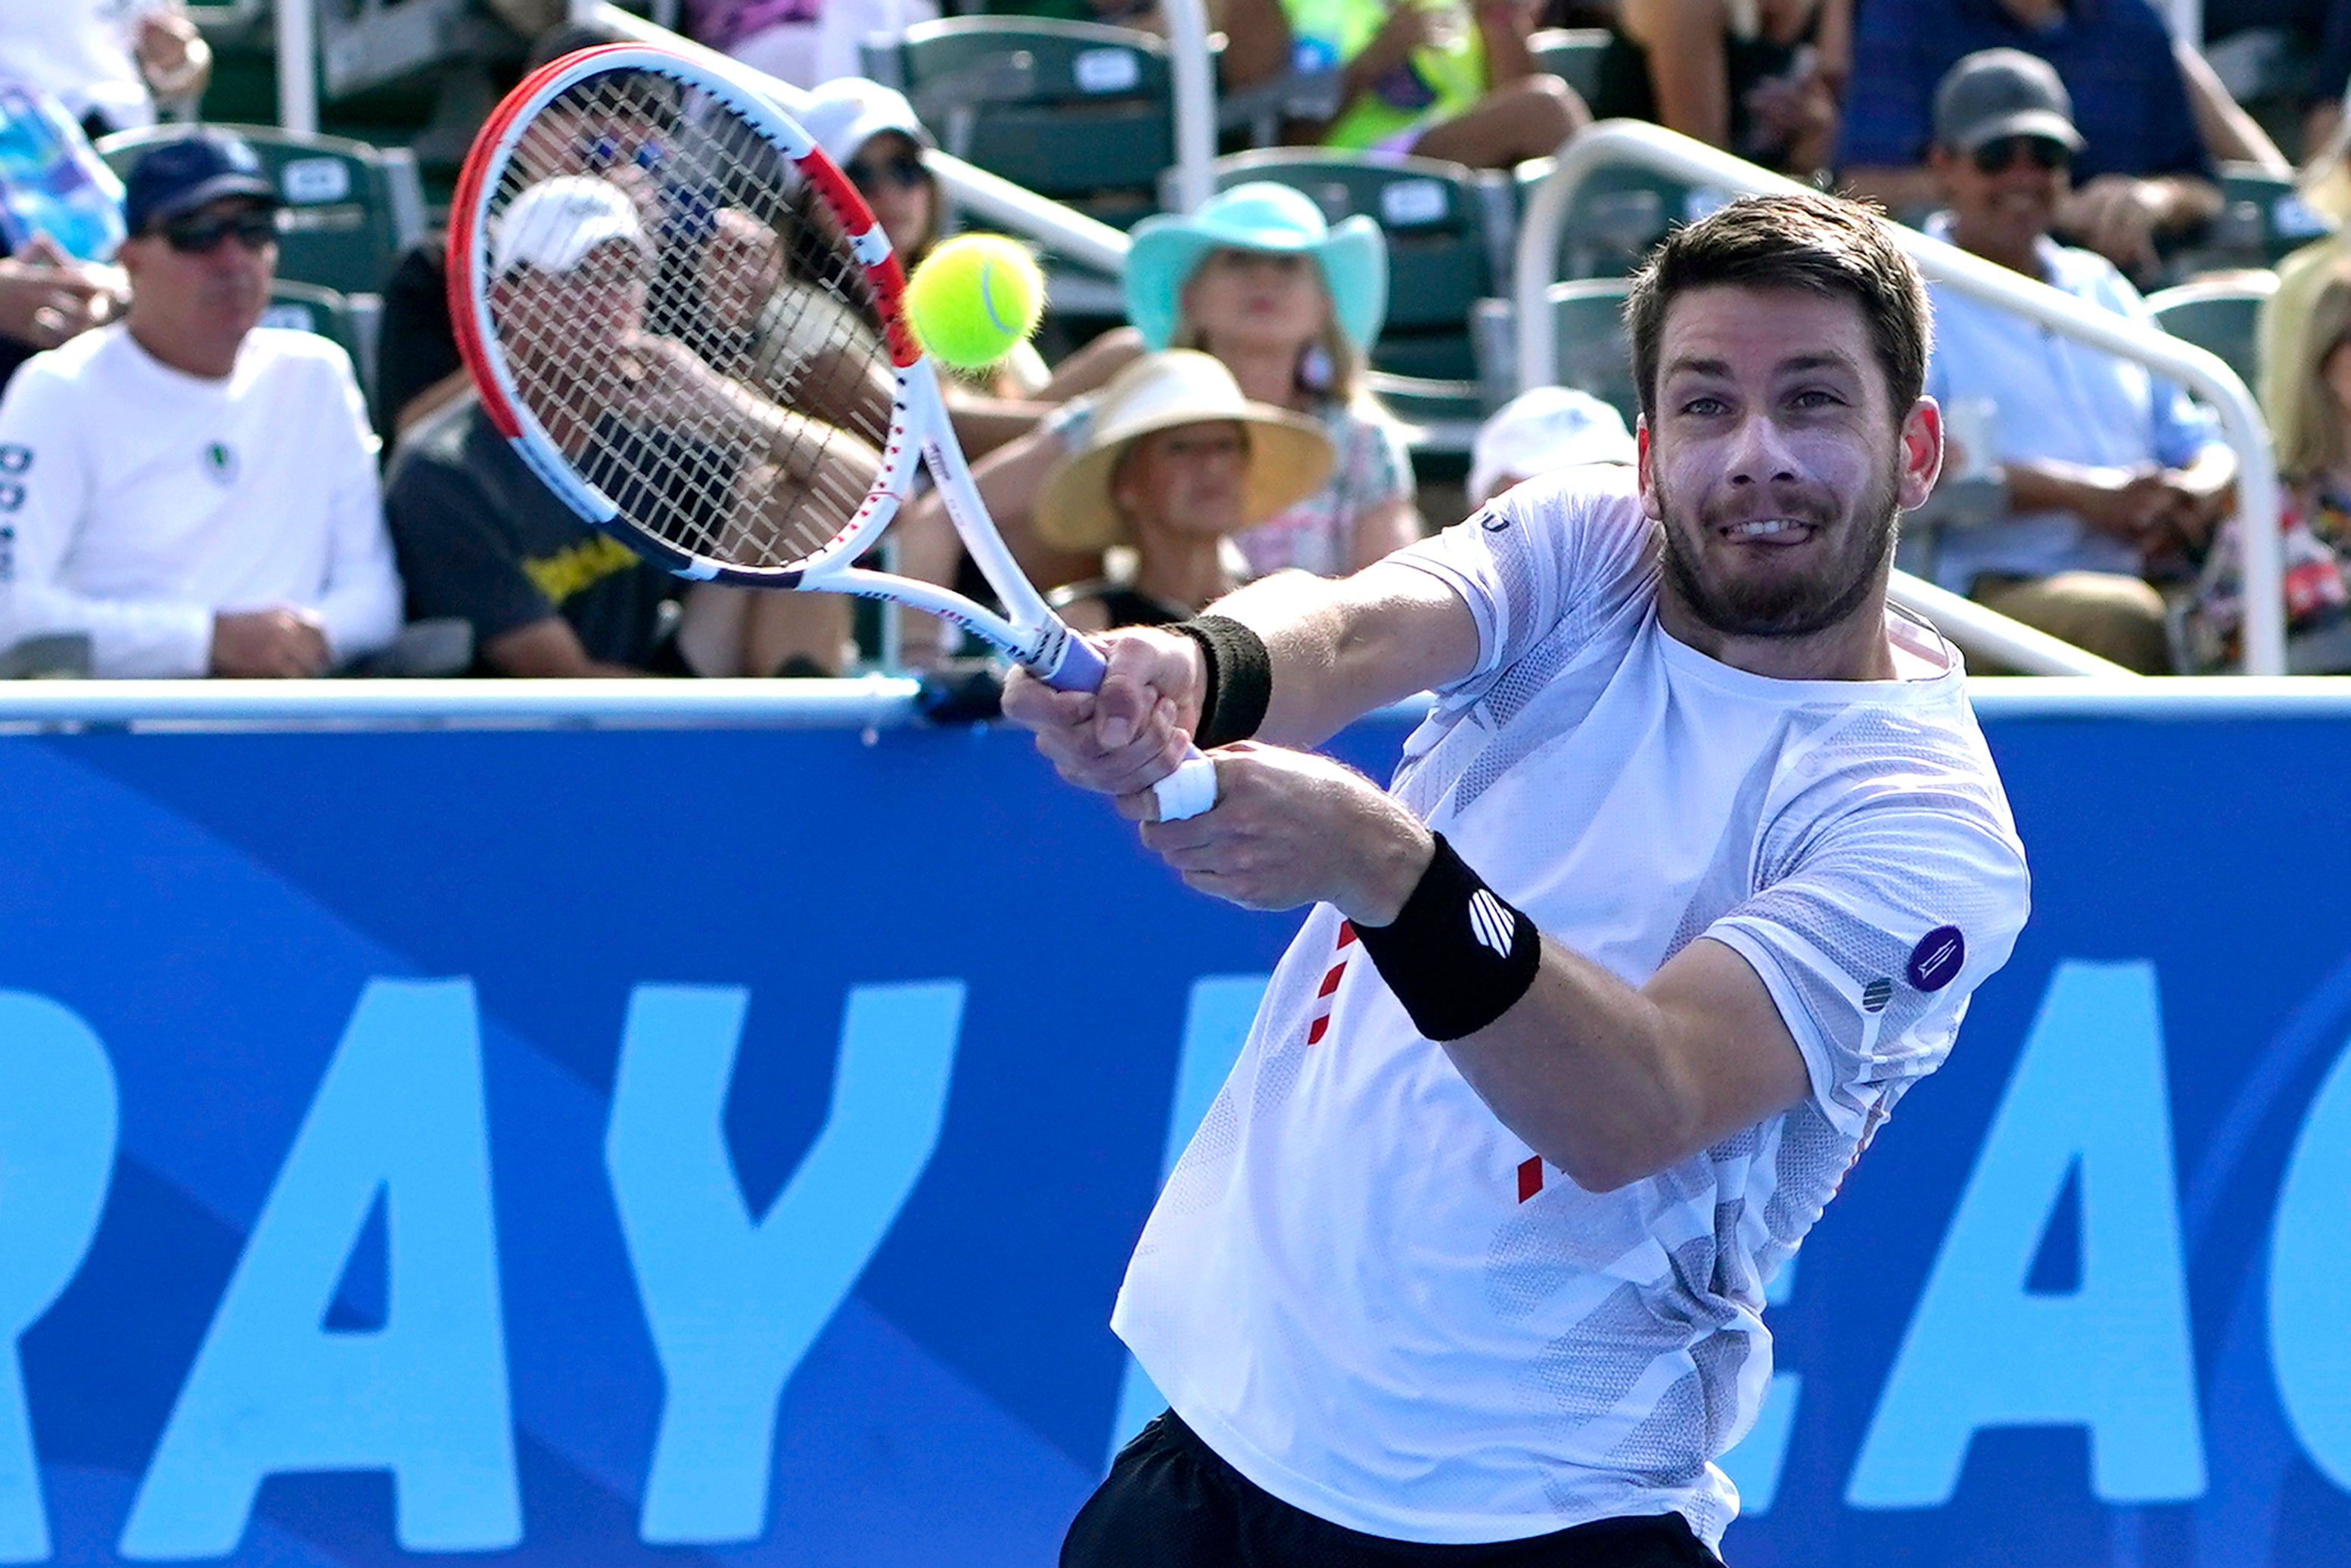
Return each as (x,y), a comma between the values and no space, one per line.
(1663,151)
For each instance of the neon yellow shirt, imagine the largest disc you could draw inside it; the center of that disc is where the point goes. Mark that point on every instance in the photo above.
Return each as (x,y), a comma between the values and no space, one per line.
(1439,81)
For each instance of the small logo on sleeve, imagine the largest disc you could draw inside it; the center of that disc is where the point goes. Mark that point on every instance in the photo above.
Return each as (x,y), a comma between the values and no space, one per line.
(1876,994)
(1937,960)
(220,461)
(1491,922)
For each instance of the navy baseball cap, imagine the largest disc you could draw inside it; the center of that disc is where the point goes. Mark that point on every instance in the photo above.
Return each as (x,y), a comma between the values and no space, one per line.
(178,177)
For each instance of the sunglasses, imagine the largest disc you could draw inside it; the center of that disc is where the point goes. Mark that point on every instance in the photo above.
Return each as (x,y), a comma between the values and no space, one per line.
(1997,155)
(191,236)
(609,151)
(905,171)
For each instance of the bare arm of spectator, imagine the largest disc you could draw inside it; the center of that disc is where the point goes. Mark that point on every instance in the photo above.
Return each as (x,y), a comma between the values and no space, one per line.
(929,550)
(174,57)
(1256,42)
(1688,73)
(360,609)
(2119,215)
(47,296)
(1504,26)
(2228,133)
(458,383)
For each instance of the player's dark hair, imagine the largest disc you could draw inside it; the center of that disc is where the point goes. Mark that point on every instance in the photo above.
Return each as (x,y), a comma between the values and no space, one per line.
(1815,244)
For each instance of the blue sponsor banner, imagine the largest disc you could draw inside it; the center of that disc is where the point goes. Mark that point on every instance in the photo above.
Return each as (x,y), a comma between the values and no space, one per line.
(582,1148)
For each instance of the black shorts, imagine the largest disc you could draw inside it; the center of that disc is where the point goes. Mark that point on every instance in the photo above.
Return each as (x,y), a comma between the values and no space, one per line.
(1170,1502)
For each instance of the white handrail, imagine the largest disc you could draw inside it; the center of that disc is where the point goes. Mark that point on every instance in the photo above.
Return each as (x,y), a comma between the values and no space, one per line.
(1193,76)
(1069,234)
(870,702)
(298,65)
(1668,152)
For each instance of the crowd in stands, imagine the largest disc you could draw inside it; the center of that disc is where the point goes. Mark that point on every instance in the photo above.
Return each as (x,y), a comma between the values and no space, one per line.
(187,491)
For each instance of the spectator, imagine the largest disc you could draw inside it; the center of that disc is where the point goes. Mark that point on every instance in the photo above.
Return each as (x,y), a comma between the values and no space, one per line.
(2325,189)
(1435,78)
(1176,461)
(418,369)
(1541,429)
(1760,80)
(484,540)
(2297,48)
(110,62)
(2313,451)
(2104,469)
(1291,305)
(193,492)
(871,133)
(803,42)
(2143,171)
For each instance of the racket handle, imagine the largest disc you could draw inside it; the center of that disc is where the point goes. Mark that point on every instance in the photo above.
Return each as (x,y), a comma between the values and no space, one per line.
(1080,669)
(1187,792)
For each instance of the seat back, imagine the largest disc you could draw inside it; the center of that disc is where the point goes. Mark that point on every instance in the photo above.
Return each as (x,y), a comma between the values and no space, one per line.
(349,321)
(1617,215)
(2263,217)
(1594,350)
(1077,111)
(351,208)
(2219,314)
(1444,242)
(1573,55)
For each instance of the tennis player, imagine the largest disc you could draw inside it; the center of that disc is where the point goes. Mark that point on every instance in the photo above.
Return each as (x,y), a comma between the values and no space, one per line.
(1685,881)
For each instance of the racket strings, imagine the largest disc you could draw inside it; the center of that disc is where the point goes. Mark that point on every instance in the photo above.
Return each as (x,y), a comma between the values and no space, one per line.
(678,309)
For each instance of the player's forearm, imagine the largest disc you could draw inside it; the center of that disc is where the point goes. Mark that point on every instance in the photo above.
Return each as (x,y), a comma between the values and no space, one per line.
(1578,1071)
(1341,648)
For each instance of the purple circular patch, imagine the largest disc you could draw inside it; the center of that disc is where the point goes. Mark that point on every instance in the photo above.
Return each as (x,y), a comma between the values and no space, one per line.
(1936,961)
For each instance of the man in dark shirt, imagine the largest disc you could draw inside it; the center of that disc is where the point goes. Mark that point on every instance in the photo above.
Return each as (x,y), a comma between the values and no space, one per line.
(2142,173)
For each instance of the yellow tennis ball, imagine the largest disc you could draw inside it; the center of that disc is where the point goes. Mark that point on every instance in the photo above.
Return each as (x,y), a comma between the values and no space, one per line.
(974,299)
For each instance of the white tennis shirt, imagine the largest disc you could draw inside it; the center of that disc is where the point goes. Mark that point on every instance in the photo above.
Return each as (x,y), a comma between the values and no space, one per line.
(137,500)
(1370,1298)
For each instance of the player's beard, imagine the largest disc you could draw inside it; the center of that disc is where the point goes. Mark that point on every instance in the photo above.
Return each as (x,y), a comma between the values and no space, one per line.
(1797,605)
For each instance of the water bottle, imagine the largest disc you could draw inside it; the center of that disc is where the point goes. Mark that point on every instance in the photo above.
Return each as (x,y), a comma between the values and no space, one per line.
(52,181)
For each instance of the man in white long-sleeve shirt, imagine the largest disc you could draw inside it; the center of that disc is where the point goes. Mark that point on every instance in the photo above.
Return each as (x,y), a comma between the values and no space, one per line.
(195,493)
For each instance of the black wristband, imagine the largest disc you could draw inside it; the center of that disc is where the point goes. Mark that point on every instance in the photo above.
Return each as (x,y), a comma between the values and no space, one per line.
(1240,679)
(1457,957)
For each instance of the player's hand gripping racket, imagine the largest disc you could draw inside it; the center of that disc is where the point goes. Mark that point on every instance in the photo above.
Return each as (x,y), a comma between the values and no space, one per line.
(687,322)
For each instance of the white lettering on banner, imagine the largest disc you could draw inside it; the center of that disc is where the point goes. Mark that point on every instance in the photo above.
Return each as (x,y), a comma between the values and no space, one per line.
(2088,1095)
(58,1123)
(399,1113)
(2310,1277)
(734,1302)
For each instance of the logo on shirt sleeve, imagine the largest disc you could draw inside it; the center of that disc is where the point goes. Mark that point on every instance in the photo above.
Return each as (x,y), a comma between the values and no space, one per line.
(220,461)
(1937,960)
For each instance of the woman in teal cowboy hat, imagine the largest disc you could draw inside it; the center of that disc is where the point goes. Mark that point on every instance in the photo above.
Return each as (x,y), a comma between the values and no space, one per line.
(1291,304)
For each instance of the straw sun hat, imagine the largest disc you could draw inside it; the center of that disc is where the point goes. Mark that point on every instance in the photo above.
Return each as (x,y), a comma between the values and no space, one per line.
(1289,456)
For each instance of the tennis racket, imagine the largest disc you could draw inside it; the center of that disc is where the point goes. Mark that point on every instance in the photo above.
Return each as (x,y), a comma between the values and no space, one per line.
(687,322)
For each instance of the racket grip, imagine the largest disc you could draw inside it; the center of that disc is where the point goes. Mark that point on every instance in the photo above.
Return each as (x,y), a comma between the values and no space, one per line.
(1080,669)
(1189,790)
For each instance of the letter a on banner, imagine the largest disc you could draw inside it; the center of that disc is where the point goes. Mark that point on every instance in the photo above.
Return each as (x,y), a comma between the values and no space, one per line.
(2310,1278)
(399,1115)
(1982,1350)
(58,1122)
(734,1302)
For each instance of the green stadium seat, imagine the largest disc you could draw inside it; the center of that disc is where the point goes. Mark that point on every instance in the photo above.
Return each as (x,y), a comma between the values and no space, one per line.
(348,320)
(1077,111)
(2263,217)
(351,208)
(2217,313)
(1573,55)
(1448,229)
